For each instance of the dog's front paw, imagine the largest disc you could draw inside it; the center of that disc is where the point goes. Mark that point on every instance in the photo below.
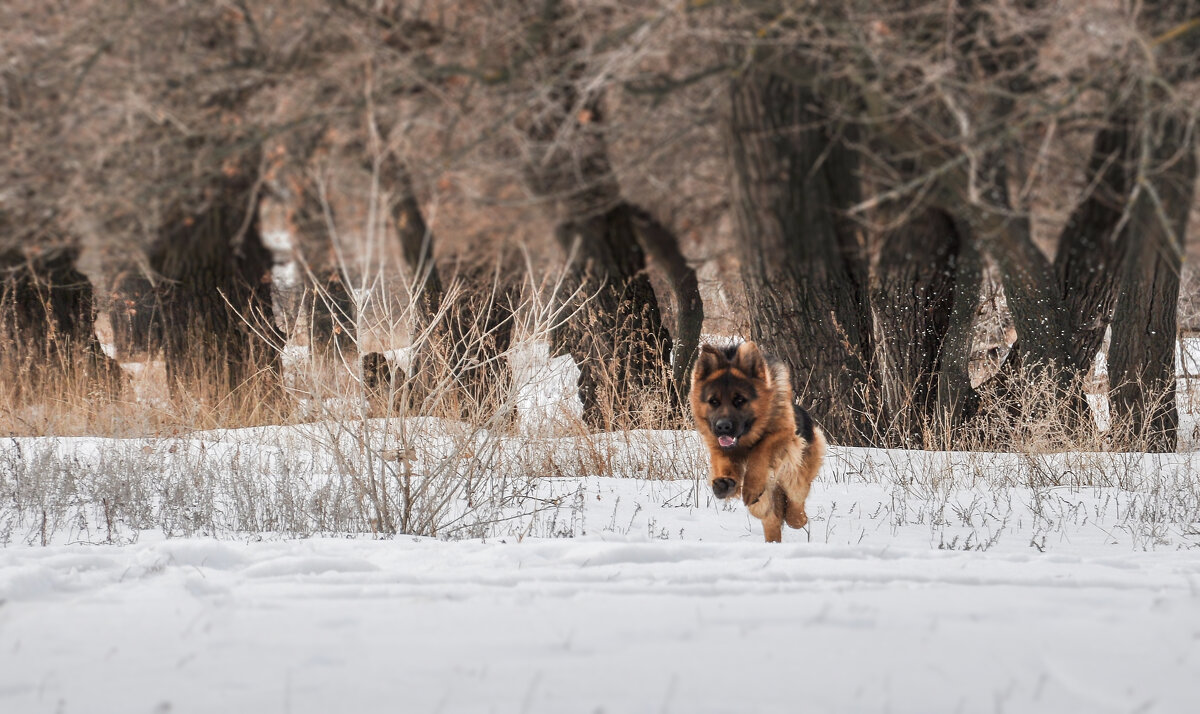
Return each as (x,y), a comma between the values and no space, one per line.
(751,496)
(724,487)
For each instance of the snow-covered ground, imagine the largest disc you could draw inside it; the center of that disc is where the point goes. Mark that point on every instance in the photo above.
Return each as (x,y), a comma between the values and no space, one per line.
(585,574)
(678,609)
(902,595)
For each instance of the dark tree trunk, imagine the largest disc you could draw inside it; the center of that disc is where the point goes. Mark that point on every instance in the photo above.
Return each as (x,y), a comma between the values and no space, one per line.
(461,364)
(611,325)
(914,298)
(215,295)
(984,50)
(416,244)
(614,331)
(1144,327)
(47,326)
(845,191)
(1092,247)
(328,303)
(806,305)
(662,247)
(136,324)
(1042,365)
(957,400)
(1031,285)
(1142,355)
(1090,263)
(480,330)
(332,316)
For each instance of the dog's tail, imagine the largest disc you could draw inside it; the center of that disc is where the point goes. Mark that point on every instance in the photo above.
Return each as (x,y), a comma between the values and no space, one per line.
(808,430)
(817,446)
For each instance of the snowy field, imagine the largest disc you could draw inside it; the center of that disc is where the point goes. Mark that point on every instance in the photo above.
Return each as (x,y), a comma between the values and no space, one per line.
(606,624)
(236,571)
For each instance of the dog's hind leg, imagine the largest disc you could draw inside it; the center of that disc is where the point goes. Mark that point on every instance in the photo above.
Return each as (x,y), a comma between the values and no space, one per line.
(795,516)
(793,510)
(772,516)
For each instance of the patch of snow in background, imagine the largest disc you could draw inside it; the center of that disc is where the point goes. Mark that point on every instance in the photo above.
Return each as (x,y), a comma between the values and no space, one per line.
(277,241)
(286,275)
(400,358)
(547,389)
(1187,356)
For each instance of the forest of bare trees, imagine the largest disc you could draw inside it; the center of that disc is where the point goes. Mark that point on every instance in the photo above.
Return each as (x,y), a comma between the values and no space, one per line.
(851,185)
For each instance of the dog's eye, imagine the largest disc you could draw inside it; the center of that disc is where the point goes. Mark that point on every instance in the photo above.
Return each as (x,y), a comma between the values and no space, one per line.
(714,402)
(738,402)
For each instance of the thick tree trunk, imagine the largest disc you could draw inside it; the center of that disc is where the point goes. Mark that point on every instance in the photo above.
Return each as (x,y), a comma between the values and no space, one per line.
(331,315)
(136,324)
(1090,263)
(1031,285)
(1092,247)
(957,400)
(47,327)
(328,303)
(845,192)
(914,297)
(662,247)
(611,326)
(806,305)
(480,330)
(1142,355)
(215,296)
(460,368)
(1144,327)
(416,244)
(614,332)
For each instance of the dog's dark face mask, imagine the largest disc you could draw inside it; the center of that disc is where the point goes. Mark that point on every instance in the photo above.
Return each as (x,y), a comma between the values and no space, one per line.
(729,401)
(727,384)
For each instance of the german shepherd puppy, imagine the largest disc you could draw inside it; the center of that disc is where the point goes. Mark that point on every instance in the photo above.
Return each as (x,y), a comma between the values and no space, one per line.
(759,442)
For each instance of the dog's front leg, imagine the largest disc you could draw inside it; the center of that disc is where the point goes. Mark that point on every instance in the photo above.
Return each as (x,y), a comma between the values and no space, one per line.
(726,476)
(758,469)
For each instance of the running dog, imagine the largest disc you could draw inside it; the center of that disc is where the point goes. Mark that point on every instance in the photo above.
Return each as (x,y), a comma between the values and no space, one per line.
(760,443)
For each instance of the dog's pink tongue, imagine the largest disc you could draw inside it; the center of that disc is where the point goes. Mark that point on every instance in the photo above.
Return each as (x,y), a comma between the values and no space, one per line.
(726,441)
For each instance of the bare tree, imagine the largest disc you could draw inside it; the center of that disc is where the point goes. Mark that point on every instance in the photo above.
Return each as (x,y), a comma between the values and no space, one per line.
(920,273)
(47,313)
(616,335)
(662,247)
(215,295)
(873,158)
(1163,190)
(47,334)
(800,259)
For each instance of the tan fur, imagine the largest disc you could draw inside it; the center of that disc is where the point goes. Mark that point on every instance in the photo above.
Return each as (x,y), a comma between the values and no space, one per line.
(774,467)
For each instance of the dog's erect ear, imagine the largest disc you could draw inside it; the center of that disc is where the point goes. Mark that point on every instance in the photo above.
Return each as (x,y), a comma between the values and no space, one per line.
(708,361)
(750,361)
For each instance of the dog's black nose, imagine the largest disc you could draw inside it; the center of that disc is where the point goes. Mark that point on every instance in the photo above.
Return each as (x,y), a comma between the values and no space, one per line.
(724,487)
(723,427)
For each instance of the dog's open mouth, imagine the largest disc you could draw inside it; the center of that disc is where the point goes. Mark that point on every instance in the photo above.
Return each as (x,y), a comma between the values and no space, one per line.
(727,442)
